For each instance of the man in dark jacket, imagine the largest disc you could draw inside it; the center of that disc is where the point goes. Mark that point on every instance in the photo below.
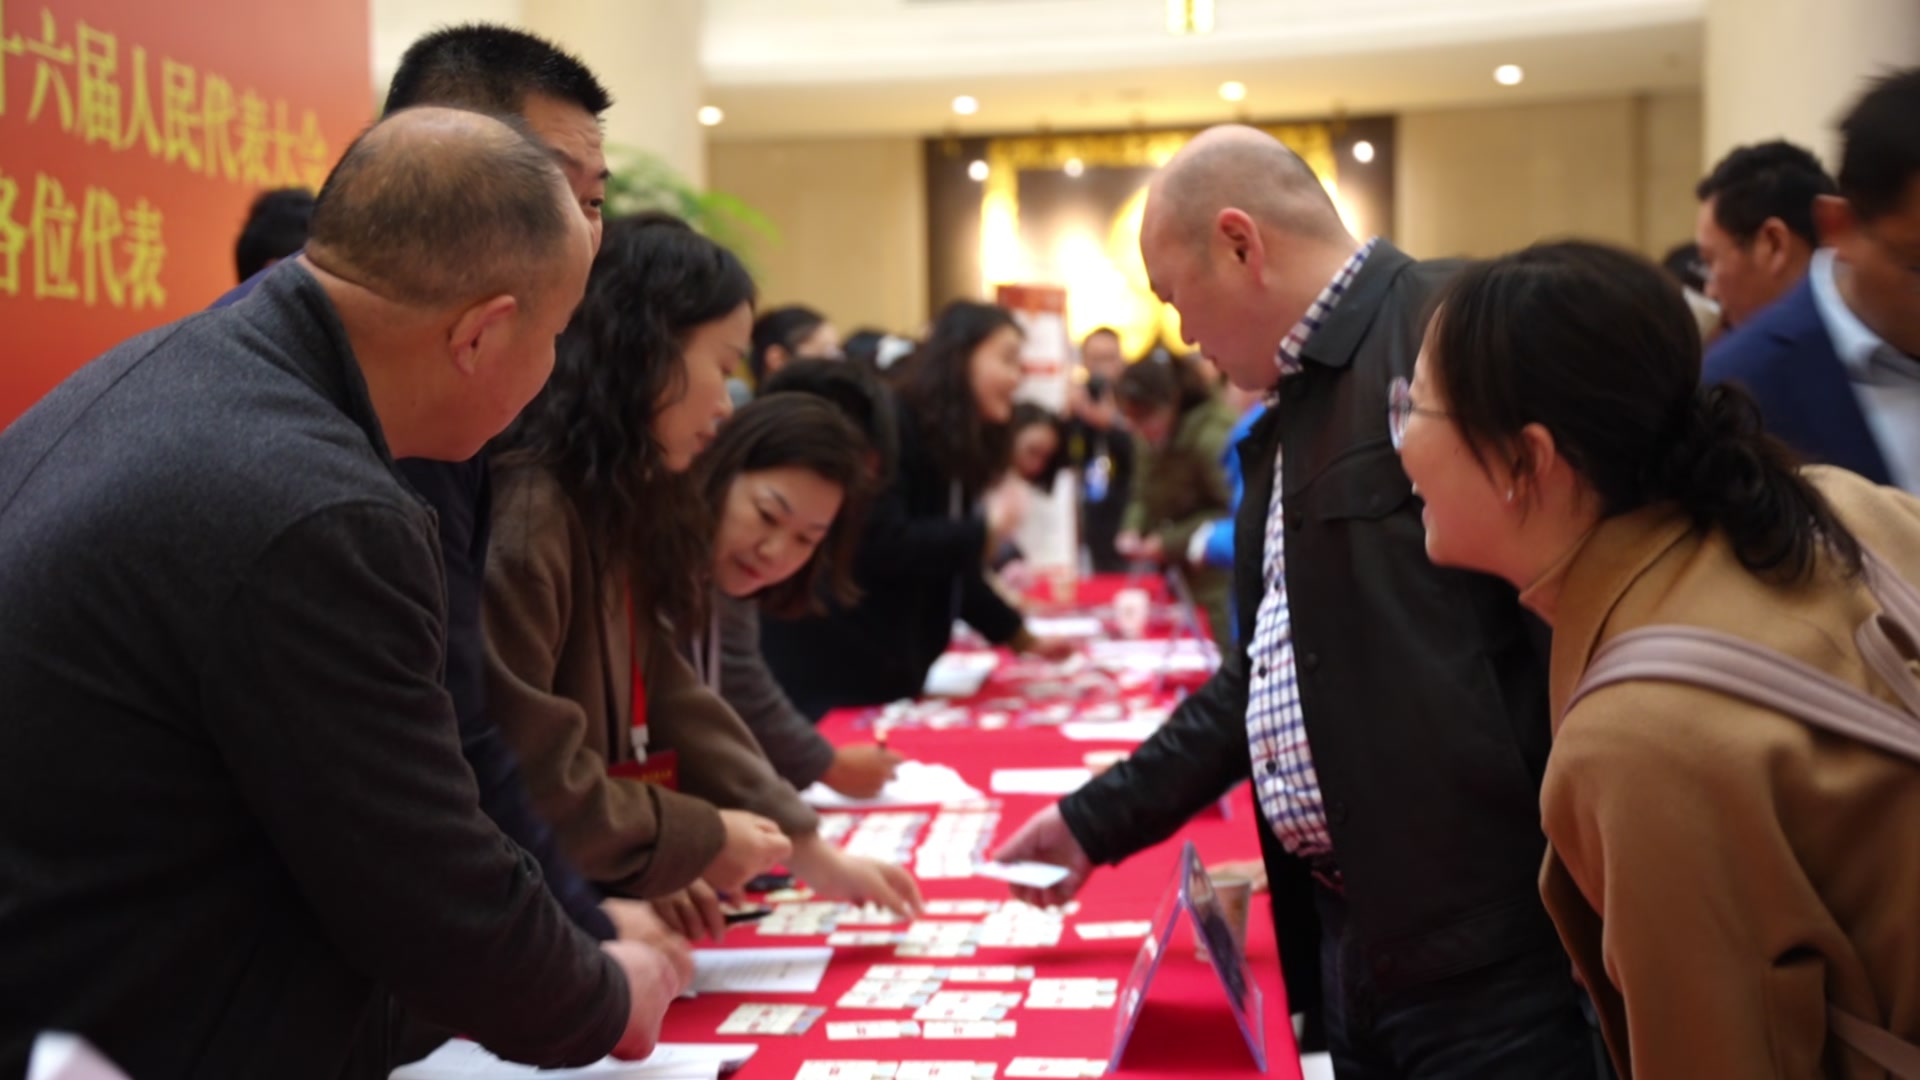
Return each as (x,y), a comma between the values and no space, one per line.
(1392,716)
(233,810)
(501,70)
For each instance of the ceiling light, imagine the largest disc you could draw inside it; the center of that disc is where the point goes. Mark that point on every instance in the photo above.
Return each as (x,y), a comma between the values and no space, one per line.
(1075,167)
(711,115)
(1233,91)
(1508,74)
(965,105)
(1189,16)
(1363,151)
(977,170)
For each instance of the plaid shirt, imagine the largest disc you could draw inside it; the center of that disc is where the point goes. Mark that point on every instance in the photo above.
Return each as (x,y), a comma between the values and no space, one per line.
(1283,776)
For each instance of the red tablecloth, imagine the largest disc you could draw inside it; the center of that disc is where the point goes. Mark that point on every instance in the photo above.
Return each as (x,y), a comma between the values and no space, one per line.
(1185,1028)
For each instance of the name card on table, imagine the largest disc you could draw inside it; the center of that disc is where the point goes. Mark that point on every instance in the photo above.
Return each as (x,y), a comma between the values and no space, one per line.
(1191,893)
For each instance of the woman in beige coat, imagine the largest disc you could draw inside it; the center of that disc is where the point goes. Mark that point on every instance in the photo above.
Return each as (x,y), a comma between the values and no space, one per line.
(653,785)
(1721,873)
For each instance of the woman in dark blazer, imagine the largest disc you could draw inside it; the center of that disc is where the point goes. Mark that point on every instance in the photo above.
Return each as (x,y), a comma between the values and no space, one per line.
(923,554)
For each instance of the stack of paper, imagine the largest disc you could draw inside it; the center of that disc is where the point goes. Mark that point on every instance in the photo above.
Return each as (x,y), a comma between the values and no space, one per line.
(915,783)
(463,1060)
(960,674)
(759,971)
(1039,781)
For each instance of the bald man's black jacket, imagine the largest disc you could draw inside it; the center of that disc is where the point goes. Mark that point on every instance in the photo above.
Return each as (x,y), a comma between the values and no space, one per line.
(233,810)
(1424,690)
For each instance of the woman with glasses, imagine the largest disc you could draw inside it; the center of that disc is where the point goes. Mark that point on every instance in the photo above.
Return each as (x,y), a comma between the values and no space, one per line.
(1721,873)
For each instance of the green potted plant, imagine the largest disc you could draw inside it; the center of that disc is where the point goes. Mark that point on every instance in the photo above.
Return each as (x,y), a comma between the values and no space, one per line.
(640,181)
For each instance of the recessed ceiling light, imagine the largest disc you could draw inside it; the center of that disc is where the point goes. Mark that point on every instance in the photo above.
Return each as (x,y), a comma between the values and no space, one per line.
(711,115)
(1189,16)
(1075,167)
(977,170)
(1363,151)
(1508,74)
(966,105)
(1233,91)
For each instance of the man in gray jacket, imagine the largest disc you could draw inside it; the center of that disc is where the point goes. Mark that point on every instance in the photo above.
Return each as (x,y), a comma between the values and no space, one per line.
(233,811)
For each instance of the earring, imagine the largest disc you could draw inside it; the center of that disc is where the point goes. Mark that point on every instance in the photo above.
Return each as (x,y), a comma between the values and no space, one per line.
(1509,496)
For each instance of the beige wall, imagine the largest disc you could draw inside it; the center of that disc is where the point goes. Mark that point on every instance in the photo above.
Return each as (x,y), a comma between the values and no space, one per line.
(851,213)
(1487,180)
(852,222)
(1835,46)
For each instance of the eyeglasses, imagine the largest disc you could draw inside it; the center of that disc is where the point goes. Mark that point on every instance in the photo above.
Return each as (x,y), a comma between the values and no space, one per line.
(1400,409)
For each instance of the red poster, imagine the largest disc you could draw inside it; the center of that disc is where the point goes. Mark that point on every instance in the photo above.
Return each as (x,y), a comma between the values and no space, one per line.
(133,137)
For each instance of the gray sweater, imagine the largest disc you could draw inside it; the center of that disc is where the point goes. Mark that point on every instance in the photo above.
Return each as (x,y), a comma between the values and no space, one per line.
(233,811)
(798,752)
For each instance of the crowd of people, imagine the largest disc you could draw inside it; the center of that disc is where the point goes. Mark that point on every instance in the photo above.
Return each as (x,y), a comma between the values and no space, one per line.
(428,638)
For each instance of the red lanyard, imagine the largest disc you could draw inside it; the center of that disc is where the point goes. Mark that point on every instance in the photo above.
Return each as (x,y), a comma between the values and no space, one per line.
(660,767)
(638,709)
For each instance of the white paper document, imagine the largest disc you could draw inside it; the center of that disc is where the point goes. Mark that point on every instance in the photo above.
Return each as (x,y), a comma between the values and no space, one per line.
(759,971)
(915,783)
(1069,626)
(960,674)
(1137,730)
(1035,875)
(464,1060)
(1039,781)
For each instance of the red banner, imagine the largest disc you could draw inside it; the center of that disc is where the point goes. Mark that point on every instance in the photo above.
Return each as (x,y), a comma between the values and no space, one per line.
(133,137)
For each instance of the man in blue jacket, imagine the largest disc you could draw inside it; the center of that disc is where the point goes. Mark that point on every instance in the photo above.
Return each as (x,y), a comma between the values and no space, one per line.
(1833,364)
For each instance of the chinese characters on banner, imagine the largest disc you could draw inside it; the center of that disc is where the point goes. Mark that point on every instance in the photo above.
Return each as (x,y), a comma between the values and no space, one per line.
(133,137)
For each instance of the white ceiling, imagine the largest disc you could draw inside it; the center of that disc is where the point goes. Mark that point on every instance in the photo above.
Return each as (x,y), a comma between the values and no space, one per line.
(818,68)
(805,68)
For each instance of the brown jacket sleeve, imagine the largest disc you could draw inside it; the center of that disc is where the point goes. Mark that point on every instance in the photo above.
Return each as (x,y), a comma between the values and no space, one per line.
(720,761)
(548,664)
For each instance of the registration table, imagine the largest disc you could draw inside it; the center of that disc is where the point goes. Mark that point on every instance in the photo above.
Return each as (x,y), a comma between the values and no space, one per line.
(1185,1027)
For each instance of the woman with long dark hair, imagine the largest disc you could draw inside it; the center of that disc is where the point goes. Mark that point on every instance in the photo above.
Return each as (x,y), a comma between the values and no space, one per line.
(922,556)
(1724,874)
(654,787)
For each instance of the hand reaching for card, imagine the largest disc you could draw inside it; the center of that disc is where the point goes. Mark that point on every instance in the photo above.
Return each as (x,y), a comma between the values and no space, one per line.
(1045,838)
(653,981)
(859,772)
(693,913)
(754,846)
(836,875)
(635,921)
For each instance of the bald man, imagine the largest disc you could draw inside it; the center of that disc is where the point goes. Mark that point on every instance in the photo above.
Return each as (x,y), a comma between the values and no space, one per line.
(1391,716)
(233,811)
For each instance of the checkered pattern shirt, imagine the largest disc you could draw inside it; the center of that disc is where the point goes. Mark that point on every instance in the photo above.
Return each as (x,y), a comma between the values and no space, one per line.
(1283,776)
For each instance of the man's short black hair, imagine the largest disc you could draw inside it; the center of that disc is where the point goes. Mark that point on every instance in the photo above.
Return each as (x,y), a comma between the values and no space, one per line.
(491,69)
(1880,152)
(276,228)
(1767,180)
(1682,264)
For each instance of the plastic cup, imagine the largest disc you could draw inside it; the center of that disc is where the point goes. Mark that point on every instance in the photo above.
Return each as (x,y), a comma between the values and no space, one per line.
(1236,898)
(1063,584)
(1130,610)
